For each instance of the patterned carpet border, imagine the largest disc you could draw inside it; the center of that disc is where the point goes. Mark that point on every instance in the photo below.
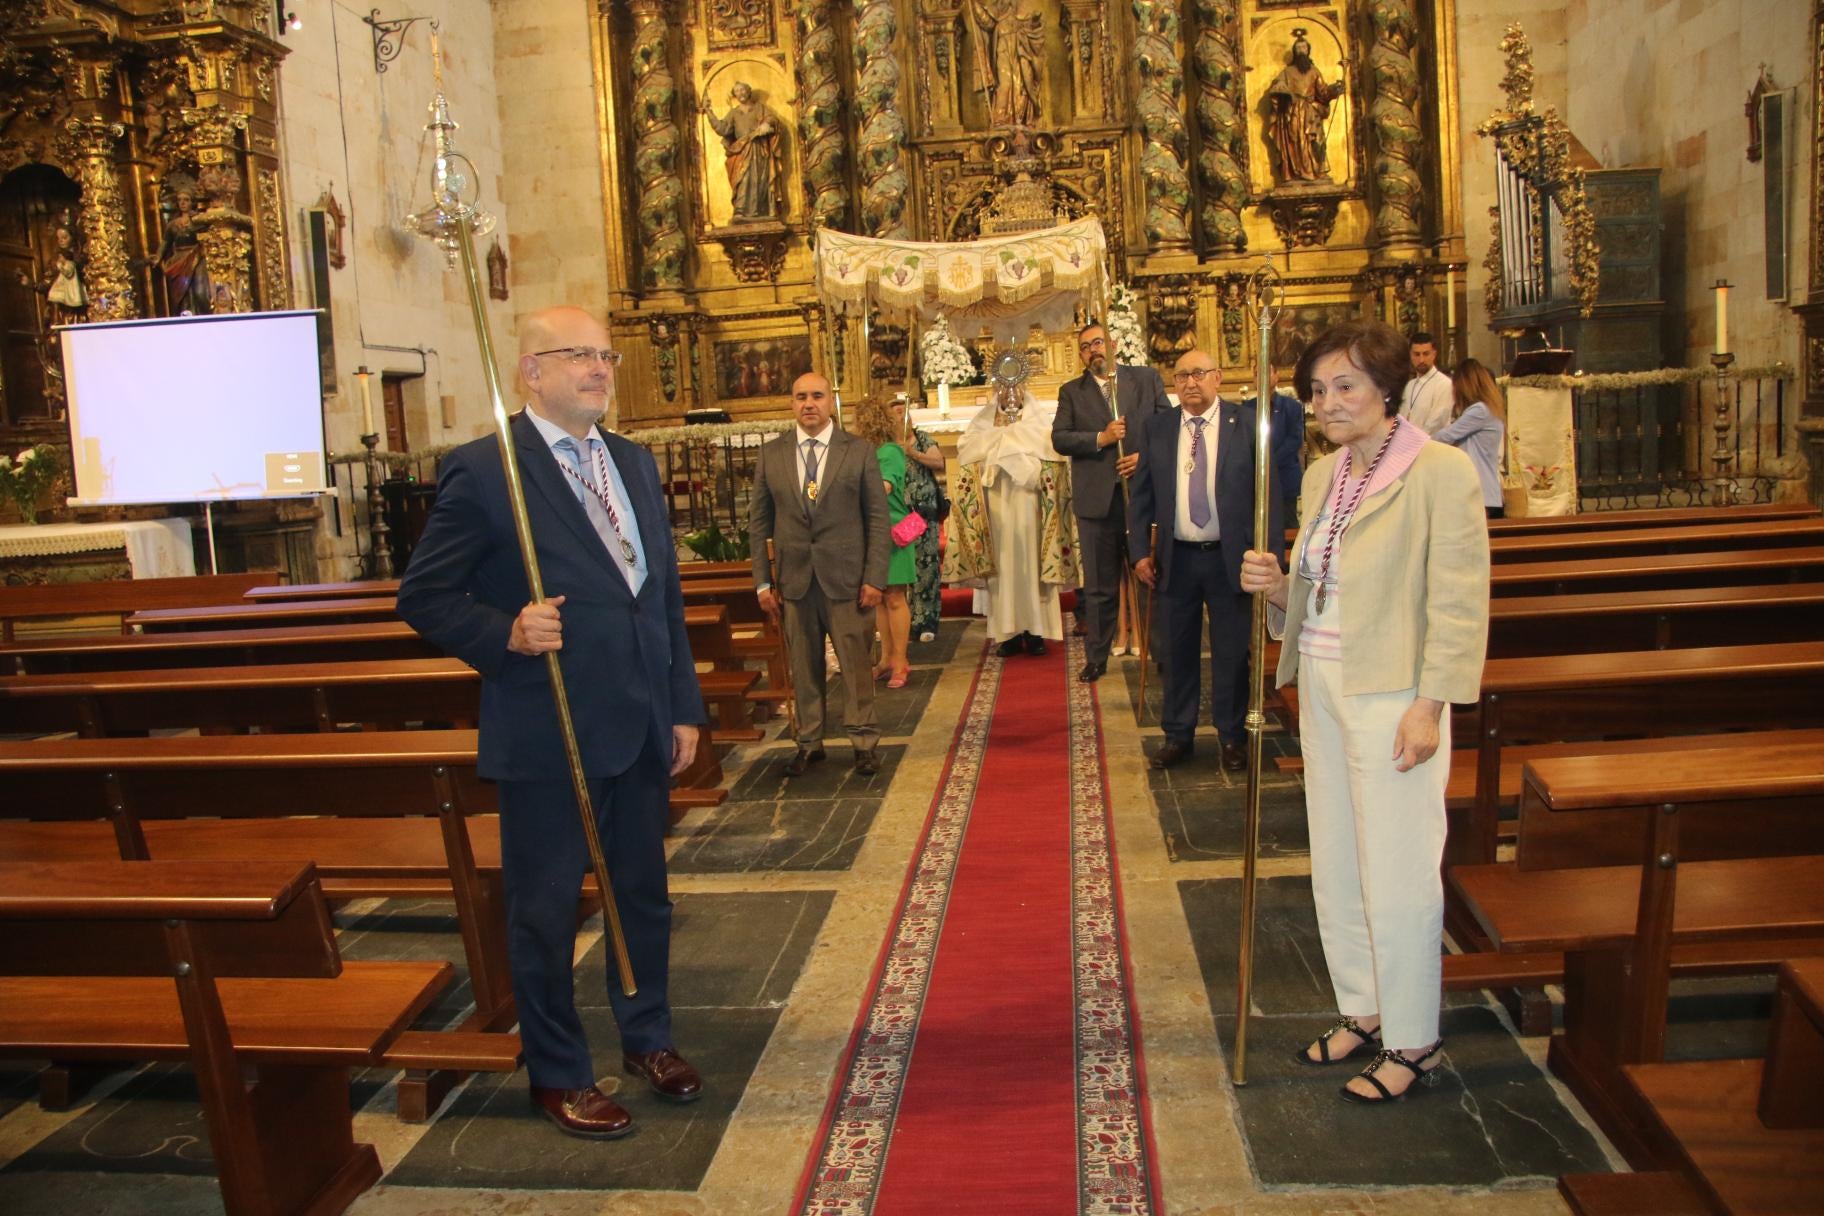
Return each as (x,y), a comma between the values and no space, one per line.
(844,1175)
(1115,1153)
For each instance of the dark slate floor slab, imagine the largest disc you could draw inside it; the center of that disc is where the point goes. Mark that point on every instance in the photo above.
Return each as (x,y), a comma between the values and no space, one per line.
(940,650)
(18,1083)
(1209,824)
(749,837)
(97,1194)
(1492,1117)
(833,778)
(735,958)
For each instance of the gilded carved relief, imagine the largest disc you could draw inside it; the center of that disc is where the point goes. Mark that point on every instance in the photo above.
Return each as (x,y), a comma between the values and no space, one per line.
(733,24)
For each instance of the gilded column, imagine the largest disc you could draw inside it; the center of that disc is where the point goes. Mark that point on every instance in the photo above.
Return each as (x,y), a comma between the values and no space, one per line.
(823,145)
(1162,155)
(657,141)
(883,131)
(86,148)
(939,92)
(1223,157)
(224,228)
(1393,117)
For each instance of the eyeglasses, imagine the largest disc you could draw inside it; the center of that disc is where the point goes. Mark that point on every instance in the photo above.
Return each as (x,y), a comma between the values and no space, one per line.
(1092,344)
(577,356)
(1196,373)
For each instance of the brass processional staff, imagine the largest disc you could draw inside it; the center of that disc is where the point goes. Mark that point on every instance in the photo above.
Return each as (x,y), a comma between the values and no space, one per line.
(1264,287)
(451,222)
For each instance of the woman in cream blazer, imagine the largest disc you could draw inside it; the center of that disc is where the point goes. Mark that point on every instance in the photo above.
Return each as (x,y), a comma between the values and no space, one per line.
(1385,620)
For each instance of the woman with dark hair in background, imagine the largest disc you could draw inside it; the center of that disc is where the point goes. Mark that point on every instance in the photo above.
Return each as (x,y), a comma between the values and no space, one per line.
(1478,426)
(875,425)
(1385,620)
(923,463)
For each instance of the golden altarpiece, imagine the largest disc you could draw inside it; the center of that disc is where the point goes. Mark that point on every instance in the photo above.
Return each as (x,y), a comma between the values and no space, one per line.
(140,176)
(1201,134)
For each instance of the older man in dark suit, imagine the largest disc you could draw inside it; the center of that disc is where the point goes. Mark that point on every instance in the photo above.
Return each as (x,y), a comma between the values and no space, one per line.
(1196,481)
(1090,432)
(616,617)
(819,496)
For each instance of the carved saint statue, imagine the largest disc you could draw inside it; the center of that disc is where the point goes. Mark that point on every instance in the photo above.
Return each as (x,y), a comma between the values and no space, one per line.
(1298,117)
(751,140)
(61,281)
(180,255)
(1009,38)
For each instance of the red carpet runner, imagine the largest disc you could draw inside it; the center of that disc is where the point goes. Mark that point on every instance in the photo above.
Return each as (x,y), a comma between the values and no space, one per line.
(996,1069)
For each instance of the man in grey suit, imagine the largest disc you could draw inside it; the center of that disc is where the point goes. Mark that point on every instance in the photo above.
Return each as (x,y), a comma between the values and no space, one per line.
(1088,432)
(819,496)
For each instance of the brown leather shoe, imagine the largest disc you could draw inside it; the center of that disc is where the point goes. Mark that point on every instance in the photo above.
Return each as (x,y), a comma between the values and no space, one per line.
(588,1113)
(867,762)
(805,757)
(1172,752)
(669,1074)
(1234,757)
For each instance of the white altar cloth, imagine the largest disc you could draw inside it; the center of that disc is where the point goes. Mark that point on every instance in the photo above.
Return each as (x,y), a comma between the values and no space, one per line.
(156,548)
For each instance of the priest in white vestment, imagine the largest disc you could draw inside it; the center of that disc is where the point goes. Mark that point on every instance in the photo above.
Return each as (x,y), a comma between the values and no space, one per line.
(1014,495)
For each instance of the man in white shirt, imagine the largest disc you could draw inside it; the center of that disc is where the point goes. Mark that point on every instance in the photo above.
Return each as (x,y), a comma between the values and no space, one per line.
(1196,482)
(1428,397)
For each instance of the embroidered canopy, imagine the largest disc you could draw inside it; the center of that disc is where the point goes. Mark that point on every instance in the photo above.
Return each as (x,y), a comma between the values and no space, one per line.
(997,279)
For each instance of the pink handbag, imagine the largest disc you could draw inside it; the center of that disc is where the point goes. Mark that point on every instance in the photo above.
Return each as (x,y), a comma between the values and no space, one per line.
(908,529)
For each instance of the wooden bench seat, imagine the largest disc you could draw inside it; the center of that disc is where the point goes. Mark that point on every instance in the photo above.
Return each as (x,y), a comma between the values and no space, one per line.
(387,588)
(118,597)
(1647,517)
(1793,1092)
(234,968)
(1706,1119)
(267,614)
(1651,1193)
(1687,538)
(1804,563)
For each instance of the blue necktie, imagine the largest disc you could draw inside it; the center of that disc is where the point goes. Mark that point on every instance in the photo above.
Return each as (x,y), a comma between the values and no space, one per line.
(1199,499)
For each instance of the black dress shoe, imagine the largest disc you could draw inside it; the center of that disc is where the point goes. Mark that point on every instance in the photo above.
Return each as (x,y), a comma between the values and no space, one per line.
(588,1112)
(867,761)
(1091,672)
(1035,644)
(1234,757)
(805,757)
(668,1073)
(1011,646)
(1172,753)
(1078,629)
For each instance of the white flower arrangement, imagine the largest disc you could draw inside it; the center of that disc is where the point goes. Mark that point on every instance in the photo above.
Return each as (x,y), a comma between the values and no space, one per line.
(25,477)
(941,358)
(1124,328)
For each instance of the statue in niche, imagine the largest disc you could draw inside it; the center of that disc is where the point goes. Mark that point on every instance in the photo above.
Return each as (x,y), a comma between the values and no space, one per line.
(1298,117)
(750,137)
(61,283)
(180,255)
(1009,38)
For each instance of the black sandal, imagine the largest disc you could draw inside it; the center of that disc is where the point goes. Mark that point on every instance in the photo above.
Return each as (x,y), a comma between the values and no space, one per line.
(1421,1076)
(1370,1041)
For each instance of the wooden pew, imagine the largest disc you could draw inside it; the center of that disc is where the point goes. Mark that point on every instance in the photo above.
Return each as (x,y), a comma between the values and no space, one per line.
(1711,882)
(266,614)
(724,689)
(716,570)
(272,593)
(119,597)
(1647,517)
(1799,564)
(382,814)
(1744,1135)
(232,967)
(1689,538)
(293,697)
(1654,620)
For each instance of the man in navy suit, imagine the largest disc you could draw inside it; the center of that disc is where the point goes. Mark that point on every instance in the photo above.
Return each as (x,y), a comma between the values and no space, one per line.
(603,537)
(1196,481)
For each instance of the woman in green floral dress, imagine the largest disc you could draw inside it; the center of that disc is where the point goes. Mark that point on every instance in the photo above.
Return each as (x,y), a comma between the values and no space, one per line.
(923,463)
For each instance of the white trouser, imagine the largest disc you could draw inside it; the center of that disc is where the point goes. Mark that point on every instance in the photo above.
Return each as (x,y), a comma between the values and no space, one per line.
(1377,841)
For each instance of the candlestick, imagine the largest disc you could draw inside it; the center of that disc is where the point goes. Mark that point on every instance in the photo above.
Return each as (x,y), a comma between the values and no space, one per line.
(1722,316)
(367,400)
(1450,297)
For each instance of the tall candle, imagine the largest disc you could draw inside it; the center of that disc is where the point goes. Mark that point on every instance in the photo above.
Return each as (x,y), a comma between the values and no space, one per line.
(943,399)
(1450,297)
(367,400)
(1722,316)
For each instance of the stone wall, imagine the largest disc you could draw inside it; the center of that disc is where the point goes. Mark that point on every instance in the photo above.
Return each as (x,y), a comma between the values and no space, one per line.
(360,133)
(1664,84)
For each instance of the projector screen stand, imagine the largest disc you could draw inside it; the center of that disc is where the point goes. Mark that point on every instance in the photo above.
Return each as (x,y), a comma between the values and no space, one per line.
(209,525)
